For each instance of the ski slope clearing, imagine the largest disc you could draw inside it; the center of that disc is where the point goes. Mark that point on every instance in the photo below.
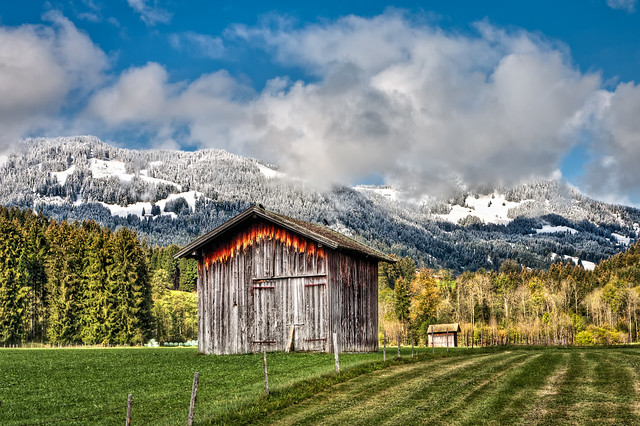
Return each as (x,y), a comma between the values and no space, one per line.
(488,208)
(548,229)
(137,209)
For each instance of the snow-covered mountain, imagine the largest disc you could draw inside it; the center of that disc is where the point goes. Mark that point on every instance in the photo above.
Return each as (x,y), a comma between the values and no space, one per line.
(174,196)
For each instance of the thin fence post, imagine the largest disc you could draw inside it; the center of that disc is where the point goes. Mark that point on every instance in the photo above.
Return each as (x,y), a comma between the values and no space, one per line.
(384,346)
(335,351)
(398,344)
(266,375)
(129,398)
(194,394)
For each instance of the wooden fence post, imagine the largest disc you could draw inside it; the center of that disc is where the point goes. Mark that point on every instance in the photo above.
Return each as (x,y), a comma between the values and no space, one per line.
(291,336)
(129,409)
(266,375)
(194,394)
(335,351)
(384,346)
(398,344)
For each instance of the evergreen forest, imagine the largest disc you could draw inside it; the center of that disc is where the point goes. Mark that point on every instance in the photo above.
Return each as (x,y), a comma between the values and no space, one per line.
(78,282)
(71,283)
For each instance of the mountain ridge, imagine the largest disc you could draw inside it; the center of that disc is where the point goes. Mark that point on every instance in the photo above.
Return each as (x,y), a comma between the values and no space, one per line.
(174,196)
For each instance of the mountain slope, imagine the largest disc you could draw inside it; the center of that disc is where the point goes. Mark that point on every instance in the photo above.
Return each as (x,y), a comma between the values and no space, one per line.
(174,196)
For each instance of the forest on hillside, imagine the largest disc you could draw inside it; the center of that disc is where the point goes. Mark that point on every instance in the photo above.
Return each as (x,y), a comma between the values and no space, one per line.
(70,283)
(82,178)
(564,304)
(66,283)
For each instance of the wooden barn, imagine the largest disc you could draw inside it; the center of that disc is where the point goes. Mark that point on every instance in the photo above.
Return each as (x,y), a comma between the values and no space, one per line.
(443,335)
(274,282)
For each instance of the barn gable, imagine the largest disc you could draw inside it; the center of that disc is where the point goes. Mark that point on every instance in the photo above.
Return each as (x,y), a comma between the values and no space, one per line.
(267,280)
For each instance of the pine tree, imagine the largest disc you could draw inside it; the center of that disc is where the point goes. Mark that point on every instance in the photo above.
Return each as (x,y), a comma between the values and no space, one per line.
(65,284)
(95,312)
(130,314)
(13,297)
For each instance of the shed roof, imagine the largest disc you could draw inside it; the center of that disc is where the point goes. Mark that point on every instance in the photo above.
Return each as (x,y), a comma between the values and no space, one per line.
(315,232)
(443,328)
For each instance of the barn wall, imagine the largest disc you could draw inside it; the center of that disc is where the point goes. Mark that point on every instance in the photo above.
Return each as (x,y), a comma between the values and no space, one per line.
(439,340)
(353,302)
(255,285)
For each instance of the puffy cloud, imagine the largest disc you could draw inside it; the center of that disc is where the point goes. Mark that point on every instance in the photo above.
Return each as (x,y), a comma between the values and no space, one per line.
(615,147)
(418,105)
(150,12)
(210,106)
(628,5)
(40,66)
(392,97)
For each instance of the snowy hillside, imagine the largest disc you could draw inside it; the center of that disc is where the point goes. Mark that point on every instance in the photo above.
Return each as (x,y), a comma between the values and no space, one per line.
(174,196)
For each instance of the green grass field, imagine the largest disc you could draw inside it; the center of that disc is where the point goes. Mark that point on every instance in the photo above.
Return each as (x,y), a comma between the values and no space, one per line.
(490,386)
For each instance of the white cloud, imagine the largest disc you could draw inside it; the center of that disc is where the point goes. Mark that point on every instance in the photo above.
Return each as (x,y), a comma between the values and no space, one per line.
(616,150)
(150,12)
(40,66)
(143,96)
(418,104)
(198,44)
(410,102)
(628,5)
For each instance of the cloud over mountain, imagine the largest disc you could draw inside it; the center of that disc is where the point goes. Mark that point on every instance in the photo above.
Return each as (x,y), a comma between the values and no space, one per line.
(41,66)
(392,95)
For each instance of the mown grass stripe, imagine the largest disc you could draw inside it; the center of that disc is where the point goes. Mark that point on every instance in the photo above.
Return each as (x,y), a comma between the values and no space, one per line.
(561,409)
(544,397)
(613,391)
(632,362)
(512,396)
(437,400)
(382,394)
(340,397)
(402,396)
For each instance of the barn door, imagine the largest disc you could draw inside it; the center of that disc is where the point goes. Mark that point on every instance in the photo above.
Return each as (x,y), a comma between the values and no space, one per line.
(285,304)
(311,335)
(267,323)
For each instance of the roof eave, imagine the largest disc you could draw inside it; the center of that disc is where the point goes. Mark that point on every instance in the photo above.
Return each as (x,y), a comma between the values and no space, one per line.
(190,249)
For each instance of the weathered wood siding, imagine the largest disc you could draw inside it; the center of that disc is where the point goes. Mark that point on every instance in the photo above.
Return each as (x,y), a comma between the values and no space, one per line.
(258,283)
(353,301)
(439,340)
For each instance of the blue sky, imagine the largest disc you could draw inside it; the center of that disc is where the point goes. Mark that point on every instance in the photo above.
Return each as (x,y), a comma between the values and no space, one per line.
(416,94)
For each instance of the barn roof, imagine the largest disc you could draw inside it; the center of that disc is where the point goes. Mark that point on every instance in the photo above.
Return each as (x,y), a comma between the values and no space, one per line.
(315,232)
(443,328)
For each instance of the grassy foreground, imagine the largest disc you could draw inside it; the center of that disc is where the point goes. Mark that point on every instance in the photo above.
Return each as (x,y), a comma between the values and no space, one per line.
(89,386)
(491,386)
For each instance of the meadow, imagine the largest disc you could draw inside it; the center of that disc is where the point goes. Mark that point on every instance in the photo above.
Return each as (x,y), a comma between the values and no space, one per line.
(479,386)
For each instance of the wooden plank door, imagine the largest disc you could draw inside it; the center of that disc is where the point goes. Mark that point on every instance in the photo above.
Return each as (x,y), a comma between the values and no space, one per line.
(267,324)
(312,310)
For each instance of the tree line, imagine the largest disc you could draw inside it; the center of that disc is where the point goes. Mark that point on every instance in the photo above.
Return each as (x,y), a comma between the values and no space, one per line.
(563,304)
(64,283)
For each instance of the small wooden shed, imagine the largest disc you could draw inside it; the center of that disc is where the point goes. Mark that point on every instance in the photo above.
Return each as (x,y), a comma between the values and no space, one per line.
(443,335)
(270,281)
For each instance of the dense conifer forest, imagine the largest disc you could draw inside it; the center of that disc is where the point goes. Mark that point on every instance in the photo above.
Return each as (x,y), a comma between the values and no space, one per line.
(70,283)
